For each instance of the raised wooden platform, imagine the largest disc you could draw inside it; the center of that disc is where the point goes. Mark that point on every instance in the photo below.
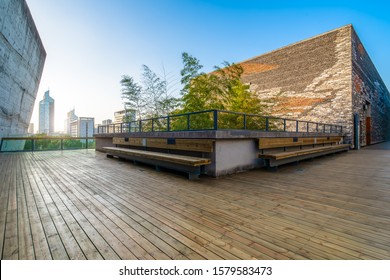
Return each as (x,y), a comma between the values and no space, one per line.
(81,205)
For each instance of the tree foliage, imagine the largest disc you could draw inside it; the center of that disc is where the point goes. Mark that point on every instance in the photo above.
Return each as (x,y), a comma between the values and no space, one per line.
(221,89)
(150,99)
(132,94)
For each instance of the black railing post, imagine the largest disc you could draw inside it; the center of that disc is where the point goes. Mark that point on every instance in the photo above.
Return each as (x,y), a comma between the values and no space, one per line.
(245,121)
(188,122)
(152,124)
(32,145)
(307,128)
(140,126)
(266,123)
(62,143)
(316,127)
(215,119)
(168,123)
(121,127)
(324,129)
(284,125)
(297,126)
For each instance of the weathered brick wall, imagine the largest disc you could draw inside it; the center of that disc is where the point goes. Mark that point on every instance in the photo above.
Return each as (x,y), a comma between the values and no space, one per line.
(371,99)
(309,80)
(22,57)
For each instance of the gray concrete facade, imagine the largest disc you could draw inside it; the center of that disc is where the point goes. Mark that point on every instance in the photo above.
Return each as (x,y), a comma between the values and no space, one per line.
(22,58)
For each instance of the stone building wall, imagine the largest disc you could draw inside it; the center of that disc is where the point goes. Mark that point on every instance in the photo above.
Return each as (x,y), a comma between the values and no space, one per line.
(371,99)
(22,58)
(308,80)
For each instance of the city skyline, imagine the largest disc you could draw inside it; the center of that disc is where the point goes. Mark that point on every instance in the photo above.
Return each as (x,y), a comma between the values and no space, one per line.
(46,114)
(90,45)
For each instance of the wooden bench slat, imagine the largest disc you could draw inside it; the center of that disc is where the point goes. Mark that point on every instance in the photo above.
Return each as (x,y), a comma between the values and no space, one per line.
(283,155)
(281,142)
(196,145)
(180,159)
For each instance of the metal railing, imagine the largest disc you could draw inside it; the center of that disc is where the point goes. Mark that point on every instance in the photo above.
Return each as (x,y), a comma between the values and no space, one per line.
(31,144)
(218,120)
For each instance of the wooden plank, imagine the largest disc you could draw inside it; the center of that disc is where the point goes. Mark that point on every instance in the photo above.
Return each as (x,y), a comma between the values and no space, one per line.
(179,228)
(140,142)
(41,246)
(119,227)
(196,145)
(26,245)
(281,142)
(102,247)
(11,250)
(179,159)
(77,233)
(6,165)
(283,155)
(268,143)
(329,208)
(43,202)
(57,212)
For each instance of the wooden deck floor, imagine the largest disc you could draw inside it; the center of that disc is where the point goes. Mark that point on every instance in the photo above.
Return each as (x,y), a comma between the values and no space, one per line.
(81,205)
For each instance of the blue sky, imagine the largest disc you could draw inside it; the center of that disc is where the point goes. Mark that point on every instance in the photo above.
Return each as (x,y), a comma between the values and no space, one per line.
(90,44)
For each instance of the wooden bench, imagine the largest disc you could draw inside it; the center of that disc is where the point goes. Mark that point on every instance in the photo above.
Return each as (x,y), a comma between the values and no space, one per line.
(136,149)
(278,151)
(195,145)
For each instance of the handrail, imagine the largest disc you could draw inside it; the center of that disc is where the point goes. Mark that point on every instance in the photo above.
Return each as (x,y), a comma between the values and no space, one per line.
(218,120)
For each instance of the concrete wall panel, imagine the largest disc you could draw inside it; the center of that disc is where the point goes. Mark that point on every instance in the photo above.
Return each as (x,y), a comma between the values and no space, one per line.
(22,58)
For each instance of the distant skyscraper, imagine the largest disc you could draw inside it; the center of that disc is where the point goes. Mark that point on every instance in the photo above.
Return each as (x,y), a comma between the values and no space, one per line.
(82,127)
(70,118)
(124,116)
(86,127)
(46,114)
(106,122)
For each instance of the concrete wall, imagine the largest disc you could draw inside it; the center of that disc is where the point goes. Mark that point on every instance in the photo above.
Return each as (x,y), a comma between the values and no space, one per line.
(309,80)
(233,156)
(22,58)
(371,99)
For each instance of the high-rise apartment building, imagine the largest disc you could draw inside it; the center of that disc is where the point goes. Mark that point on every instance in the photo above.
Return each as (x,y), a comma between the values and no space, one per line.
(106,122)
(71,117)
(124,115)
(46,114)
(82,127)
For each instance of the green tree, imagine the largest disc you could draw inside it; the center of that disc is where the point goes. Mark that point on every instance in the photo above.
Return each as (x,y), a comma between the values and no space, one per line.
(221,89)
(152,98)
(133,96)
(190,71)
